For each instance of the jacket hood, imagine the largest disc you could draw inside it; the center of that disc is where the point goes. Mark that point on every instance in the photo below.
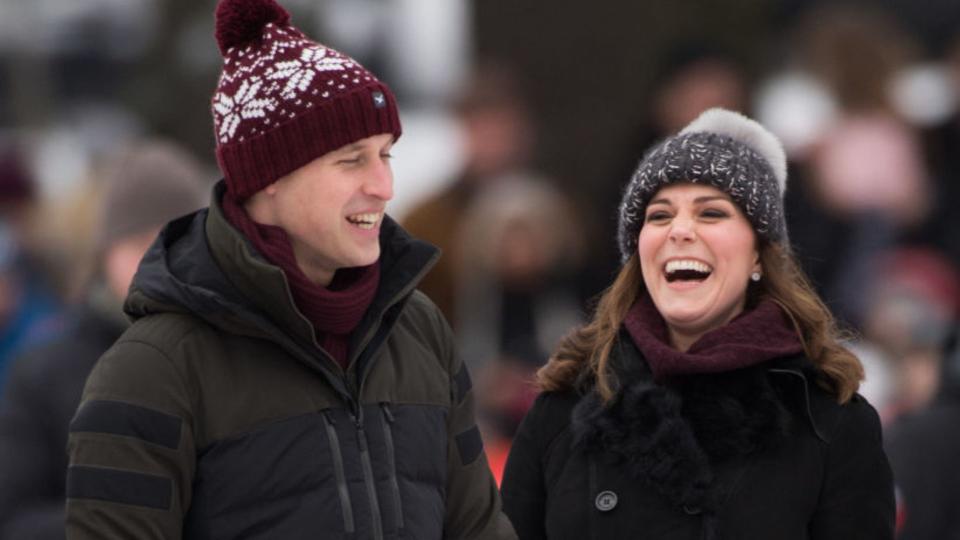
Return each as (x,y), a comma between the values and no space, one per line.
(179,274)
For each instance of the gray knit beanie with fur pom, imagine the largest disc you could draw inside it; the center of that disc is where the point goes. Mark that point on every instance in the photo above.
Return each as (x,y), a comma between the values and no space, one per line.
(722,149)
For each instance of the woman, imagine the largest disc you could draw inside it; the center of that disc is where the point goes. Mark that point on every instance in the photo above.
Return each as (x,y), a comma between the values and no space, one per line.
(708,397)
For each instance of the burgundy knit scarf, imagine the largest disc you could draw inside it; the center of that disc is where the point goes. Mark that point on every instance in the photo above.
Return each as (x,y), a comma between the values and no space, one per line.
(754,336)
(334,311)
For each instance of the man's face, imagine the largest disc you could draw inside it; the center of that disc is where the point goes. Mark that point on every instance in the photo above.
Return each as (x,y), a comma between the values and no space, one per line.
(122,258)
(332,207)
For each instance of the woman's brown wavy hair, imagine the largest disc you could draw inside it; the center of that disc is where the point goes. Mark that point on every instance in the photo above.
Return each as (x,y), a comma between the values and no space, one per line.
(588,347)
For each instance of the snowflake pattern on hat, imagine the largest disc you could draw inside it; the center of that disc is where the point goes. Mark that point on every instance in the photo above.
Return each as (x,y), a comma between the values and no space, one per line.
(299,73)
(279,77)
(283,100)
(244,105)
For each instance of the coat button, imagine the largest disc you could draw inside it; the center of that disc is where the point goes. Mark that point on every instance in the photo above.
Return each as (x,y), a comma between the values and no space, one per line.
(692,510)
(606,501)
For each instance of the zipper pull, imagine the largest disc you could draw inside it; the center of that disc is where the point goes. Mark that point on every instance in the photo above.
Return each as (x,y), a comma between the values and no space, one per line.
(362,439)
(386,411)
(357,414)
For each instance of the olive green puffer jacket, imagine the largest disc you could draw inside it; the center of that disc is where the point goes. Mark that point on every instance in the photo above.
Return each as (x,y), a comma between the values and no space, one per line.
(217,415)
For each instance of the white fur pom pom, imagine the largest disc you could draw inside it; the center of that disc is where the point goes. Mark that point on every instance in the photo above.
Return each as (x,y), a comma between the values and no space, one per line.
(747,131)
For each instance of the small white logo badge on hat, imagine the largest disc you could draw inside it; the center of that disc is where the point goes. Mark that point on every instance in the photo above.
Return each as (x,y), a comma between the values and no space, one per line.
(379,100)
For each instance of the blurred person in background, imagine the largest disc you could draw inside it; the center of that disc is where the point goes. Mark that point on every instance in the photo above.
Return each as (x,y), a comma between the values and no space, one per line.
(522,248)
(924,447)
(913,303)
(282,377)
(708,397)
(694,76)
(862,186)
(522,245)
(29,303)
(143,187)
(498,140)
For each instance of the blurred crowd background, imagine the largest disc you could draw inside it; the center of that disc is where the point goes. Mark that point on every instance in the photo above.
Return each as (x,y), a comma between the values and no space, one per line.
(522,123)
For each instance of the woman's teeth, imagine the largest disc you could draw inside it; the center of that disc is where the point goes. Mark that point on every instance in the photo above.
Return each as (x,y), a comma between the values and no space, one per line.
(687,270)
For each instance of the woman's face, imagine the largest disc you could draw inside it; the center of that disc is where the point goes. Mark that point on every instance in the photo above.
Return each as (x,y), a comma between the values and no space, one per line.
(697,251)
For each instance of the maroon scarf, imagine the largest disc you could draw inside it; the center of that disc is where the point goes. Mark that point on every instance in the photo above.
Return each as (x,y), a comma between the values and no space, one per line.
(754,336)
(334,311)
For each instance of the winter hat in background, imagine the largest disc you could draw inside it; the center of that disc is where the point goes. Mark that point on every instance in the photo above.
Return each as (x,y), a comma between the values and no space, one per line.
(284,100)
(723,149)
(146,186)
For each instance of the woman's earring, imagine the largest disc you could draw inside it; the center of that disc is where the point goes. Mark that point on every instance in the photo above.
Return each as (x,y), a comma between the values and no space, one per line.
(755,276)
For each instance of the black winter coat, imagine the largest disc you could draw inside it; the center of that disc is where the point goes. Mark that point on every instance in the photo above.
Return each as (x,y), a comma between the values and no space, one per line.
(42,393)
(760,453)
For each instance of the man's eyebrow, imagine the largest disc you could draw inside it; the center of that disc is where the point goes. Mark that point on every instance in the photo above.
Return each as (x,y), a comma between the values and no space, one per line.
(352,148)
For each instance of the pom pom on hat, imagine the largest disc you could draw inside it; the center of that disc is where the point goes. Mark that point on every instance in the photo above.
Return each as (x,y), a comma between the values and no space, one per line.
(740,128)
(240,22)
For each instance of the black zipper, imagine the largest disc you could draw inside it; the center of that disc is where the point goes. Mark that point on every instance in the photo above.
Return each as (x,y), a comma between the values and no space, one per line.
(386,420)
(338,472)
(368,476)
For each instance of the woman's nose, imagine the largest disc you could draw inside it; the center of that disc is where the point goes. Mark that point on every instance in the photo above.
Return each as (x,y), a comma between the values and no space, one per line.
(682,230)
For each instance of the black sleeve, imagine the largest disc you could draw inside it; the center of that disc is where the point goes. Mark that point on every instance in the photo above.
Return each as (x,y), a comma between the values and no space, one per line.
(31,494)
(856,500)
(523,491)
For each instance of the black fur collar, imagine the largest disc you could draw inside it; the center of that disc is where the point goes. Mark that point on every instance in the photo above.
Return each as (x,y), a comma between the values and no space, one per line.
(672,436)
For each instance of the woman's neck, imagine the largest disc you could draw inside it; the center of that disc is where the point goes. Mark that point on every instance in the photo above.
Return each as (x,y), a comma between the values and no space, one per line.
(682,341)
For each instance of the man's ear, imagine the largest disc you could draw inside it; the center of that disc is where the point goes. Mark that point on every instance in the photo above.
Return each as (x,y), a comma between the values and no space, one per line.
(260,207)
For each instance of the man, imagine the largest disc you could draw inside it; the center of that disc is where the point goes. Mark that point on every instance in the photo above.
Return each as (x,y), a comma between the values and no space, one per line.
(282,378)
(498,140)
(145,186)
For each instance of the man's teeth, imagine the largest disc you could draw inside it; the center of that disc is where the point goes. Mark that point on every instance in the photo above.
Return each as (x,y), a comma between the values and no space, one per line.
(696,266)
(365,221)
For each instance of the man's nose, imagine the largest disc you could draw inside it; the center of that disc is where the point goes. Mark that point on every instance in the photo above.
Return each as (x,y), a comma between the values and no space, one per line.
(379,183)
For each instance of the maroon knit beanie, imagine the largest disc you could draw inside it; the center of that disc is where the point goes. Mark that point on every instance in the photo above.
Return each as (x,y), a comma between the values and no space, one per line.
(284,100)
